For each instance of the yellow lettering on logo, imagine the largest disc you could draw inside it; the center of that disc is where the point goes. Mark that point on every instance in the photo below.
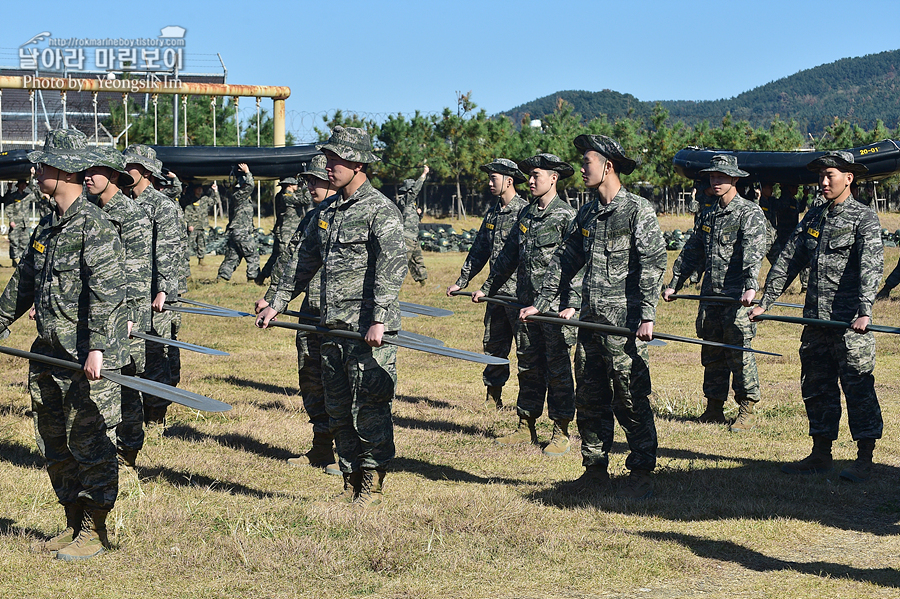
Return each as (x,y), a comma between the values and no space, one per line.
(813,232)
(323,225)
(38,246)
(523,228)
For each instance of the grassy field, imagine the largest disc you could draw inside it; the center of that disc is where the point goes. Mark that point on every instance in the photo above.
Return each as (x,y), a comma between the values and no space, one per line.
(215,511)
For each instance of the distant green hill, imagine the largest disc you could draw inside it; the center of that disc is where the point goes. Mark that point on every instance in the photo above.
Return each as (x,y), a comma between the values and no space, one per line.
(861,90)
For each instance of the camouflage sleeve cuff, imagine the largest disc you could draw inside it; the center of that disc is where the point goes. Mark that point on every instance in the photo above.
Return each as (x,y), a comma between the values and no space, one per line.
(380,314)
(278,304)
(462,282)
(542,304)
(751,283)
(270,295)
(97,341)
(865,309)
(648,313)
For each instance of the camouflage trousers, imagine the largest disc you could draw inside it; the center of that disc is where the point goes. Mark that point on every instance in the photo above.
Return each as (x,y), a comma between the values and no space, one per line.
(828,356)
(130,432)
(415,261)
(612,377)
(309,369)
(75,422)
(727,323)
(240,247)
(18,242)
(500,324)
(545,370)
(359,383)
(197,242)
(163,361)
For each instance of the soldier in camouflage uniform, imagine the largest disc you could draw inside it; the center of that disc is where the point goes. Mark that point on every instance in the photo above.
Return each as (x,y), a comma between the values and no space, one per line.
(617,240)
(18,212)
(168,184)
(73,275)
(167,268)
(103,180)
(308,344)
(542,350)
(291,205)
(841,241)
(357,241)
(727,247)
(242,243)
(500,322)
(406,202)
(196,217)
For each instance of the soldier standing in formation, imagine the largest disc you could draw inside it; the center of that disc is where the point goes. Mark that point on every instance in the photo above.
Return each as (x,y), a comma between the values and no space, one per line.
(196,217)
(309,354)
(242,243)
(73,274)
(291,205)
(542,350)
(840,239)
(104,179)
(406,202)
(617,240)
(500,322)
(18,208)
(358,244)
(728,248)
(167,268)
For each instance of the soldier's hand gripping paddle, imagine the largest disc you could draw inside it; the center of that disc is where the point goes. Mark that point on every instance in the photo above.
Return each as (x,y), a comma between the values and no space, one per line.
(835,324)
(399,342)
(727,300)
(173,394)
(612,330)
(402,334)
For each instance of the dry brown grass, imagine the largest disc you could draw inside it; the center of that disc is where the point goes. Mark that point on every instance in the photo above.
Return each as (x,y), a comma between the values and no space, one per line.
(216,511)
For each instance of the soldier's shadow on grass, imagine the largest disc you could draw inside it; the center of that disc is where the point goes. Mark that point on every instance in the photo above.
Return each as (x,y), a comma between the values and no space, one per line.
(257,385)
(440,472)
(431,403)
(8,528)
(744,488)
(230,440)
(443,426)
(178,478)
(20,455)
(759,562)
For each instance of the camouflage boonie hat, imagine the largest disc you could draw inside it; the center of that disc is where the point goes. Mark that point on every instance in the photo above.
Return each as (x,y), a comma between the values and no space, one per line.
(289,181)
(111,158)
(503,166)
(316,168)
(548,162)
(839,159)
(146,157)
(725,164)
(407,185)
(65,149)
(609,148)
(351,143)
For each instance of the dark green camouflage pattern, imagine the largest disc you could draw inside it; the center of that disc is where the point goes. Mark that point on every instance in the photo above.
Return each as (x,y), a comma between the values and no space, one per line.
(242,242)
(65,149)
(406,203)
(18,214)
(351,143)
(196,215)
(166,260)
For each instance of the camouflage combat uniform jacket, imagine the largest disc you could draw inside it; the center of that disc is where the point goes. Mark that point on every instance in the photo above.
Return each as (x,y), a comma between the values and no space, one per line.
(497,224)
(358,244)
(528,251)
(240,219)
(287,263)
(167,266)
(844,249)
(196,213)
(73,274)
(134,229)
(290,208)
(622,251)
(727,247)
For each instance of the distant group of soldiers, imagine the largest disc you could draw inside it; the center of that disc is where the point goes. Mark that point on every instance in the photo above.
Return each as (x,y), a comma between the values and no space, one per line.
(114,251)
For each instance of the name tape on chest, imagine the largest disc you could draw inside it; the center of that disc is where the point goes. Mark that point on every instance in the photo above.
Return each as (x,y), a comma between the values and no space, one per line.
(706,228)
(38,246)
(585,232)
(523,228)
(323,224)
(489,226)
(813,232)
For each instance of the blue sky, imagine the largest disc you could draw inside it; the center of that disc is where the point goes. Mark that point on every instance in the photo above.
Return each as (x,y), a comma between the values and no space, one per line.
(377,58)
